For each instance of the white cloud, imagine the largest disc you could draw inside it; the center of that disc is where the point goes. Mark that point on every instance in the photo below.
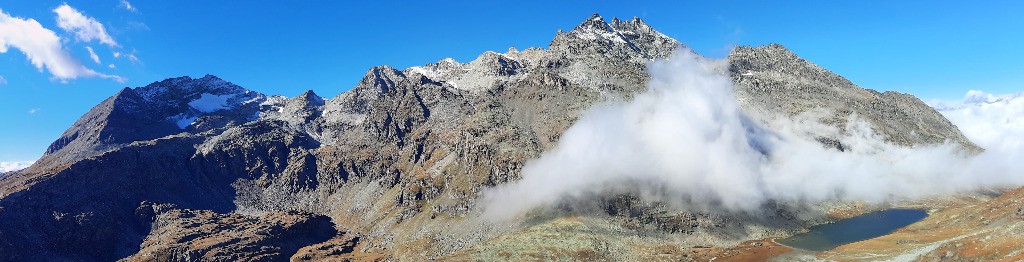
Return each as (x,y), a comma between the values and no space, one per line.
(991,121)
(976,96)
(92,54)
(131,56)
(137,25)
(85,28)
(15,165)
(685,142)
(127,6)
(112,66)
(43,48)
(33,111)
(3,81)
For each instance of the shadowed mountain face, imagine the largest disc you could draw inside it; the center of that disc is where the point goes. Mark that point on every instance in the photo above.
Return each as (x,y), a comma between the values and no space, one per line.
(160,109)
(398,160)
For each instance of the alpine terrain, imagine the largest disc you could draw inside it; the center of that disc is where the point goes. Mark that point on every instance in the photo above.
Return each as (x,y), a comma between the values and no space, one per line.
(188,169)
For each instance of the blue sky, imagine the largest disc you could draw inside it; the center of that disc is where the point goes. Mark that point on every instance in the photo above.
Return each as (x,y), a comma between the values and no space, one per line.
(932,49)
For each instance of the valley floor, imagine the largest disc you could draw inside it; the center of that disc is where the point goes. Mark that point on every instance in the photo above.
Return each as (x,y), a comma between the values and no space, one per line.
(962,229)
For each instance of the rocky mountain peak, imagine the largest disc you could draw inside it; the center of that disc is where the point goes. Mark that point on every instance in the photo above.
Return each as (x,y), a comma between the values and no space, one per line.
(306,99)
(596,29)
(638,21)
(125,90)
(189,82)
(443,70)
(747,60)
(594,23)
(126,99)
(211,78)
(496,64)
(627,39)
(382,79)
(634,26)
(299,111)
(187,101)
(449,60)
(773,77)
(772,49)
(159,109)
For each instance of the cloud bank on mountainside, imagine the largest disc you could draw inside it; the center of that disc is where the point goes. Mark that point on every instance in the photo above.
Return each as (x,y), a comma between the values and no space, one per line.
(686,142)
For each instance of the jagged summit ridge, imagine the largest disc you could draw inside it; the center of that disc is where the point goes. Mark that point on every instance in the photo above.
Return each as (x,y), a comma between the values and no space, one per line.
(594,23)
(617,38)
(187,87)
(593,39)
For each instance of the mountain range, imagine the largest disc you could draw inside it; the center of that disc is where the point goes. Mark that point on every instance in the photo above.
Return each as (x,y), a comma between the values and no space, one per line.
(202,169)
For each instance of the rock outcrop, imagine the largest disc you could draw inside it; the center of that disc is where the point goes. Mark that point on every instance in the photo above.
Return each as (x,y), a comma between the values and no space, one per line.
(203,235)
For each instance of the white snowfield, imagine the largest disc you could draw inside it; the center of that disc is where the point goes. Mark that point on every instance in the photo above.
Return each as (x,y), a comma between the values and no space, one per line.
(210,103)
(593,35)
(183,120)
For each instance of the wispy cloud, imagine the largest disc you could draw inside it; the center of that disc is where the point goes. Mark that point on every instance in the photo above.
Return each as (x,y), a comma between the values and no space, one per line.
(85,28)
(138,25)
(127,6)
(43,48)
(3,81)
(129,55)
(33,111)
(92,54)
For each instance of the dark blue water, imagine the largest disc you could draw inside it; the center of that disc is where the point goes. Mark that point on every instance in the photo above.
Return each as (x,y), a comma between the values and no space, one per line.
(863,227)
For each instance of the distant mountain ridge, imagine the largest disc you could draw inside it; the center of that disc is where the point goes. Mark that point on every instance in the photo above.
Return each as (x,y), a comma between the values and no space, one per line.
(976,98)
(396,162)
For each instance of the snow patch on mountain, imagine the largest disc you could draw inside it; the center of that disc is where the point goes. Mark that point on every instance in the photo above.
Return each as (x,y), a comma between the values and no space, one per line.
(442,71)
(183,120)
(271,106)
(423,71)
(209,102)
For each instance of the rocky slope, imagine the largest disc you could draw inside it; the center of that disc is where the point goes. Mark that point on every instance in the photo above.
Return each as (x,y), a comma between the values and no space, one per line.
(191,235)
(397,162)
(772,80)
